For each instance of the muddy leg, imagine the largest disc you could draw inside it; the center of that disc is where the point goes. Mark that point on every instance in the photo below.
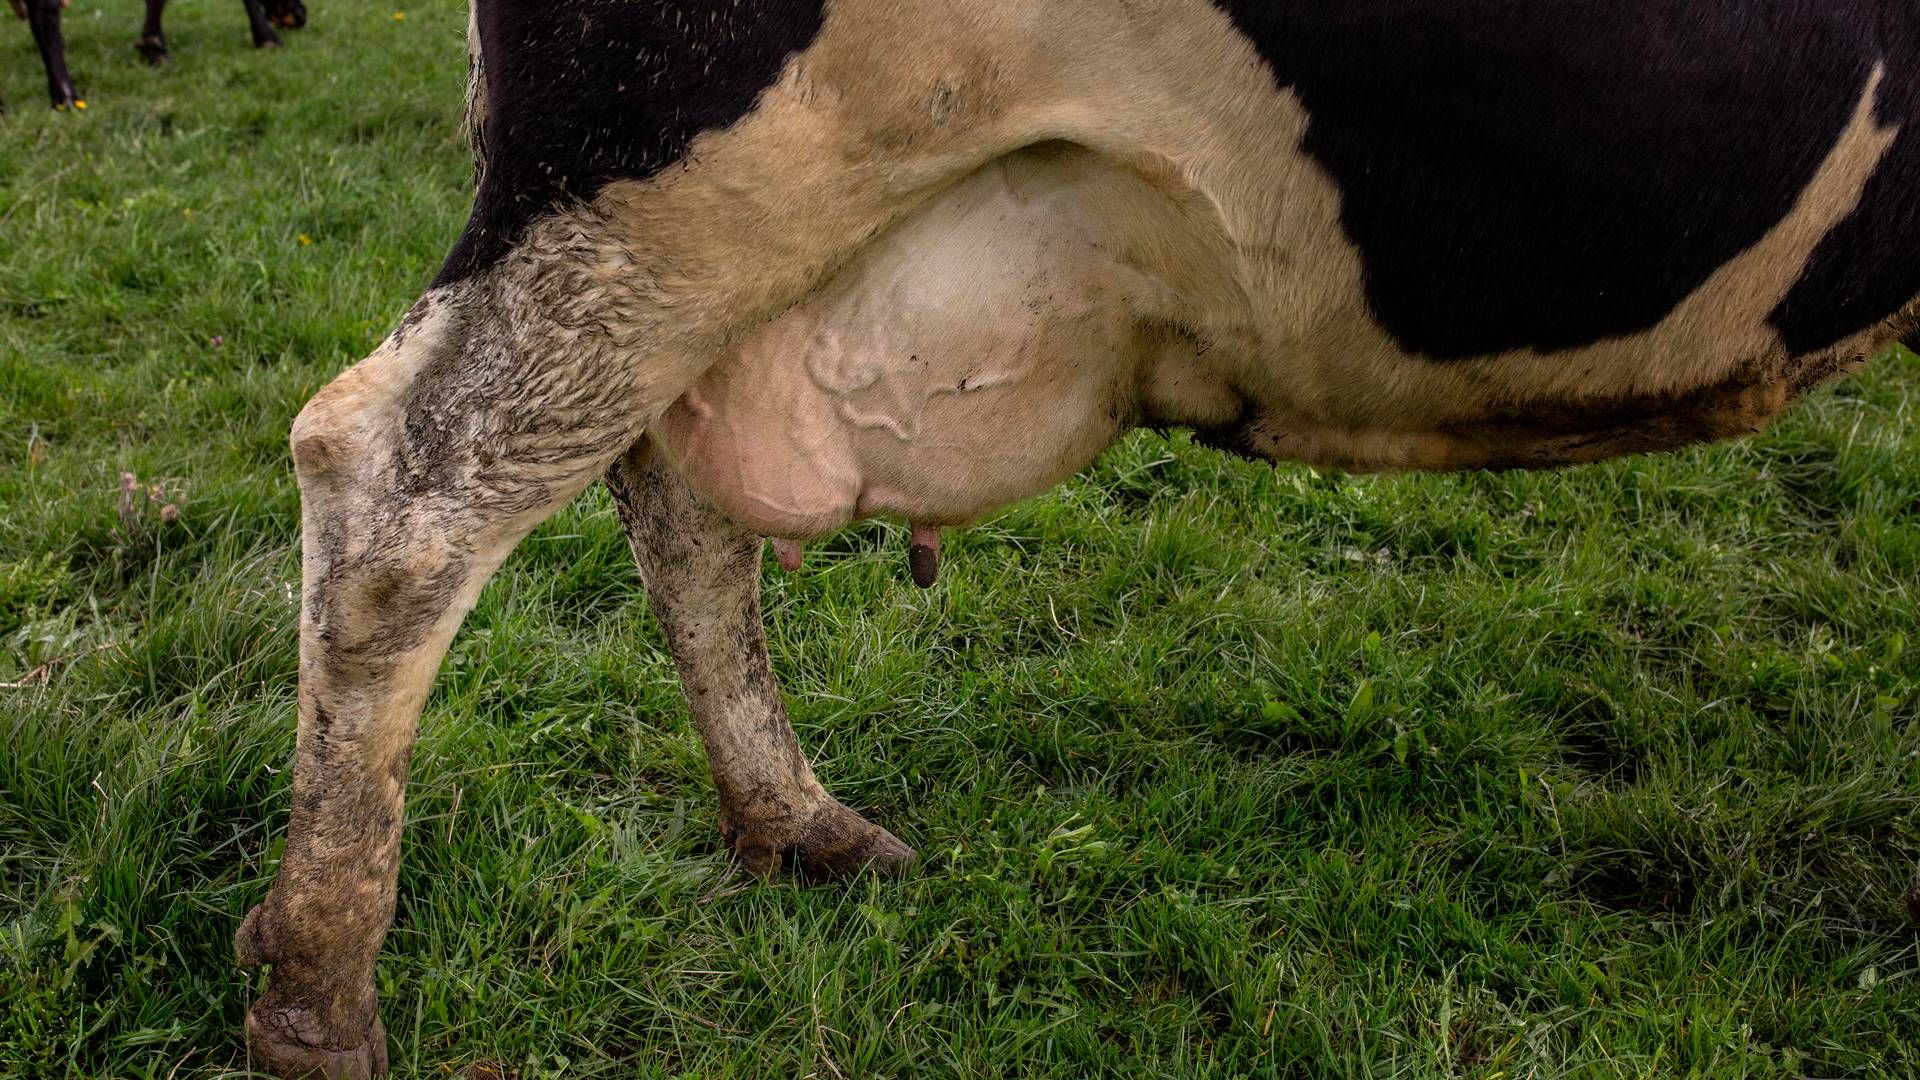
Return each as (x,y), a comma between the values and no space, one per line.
(702,574)
(420,469)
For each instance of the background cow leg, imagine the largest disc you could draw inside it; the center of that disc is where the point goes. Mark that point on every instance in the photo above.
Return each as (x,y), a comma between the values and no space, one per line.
(153,40)
(44,17)
(702,574)
(263,35)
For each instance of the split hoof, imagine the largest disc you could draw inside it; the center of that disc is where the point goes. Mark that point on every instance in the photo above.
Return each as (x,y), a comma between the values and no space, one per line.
(293,1045)
(832,843)
(271,41)
(153,50)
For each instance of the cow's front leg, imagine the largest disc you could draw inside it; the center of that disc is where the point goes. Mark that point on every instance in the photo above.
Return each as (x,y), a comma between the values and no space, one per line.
(702,574)
(44,17)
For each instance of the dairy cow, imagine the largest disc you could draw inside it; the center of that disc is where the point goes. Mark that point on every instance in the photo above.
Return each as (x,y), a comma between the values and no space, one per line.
(772,268)
(43,16)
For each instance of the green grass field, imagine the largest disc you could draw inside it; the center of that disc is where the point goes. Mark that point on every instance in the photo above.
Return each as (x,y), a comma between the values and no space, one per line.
(1217,769)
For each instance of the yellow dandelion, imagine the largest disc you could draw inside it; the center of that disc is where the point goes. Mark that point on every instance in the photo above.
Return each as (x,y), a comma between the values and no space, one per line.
(305,240)
(399,16)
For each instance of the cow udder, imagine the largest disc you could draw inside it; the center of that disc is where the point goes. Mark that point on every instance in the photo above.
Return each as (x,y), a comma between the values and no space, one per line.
(975,356)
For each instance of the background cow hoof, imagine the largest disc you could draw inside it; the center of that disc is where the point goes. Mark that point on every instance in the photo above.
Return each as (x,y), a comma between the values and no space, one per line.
(293,1044)
(152,49)
(287,14)
(833,843)
(270,41)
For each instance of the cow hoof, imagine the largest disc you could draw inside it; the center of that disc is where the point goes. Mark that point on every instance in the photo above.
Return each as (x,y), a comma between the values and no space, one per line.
(834,842)
(293,1045)
(271,41)
(153,50)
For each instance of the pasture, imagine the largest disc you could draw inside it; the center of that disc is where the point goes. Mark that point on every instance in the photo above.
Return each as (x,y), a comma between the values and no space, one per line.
(1215,769)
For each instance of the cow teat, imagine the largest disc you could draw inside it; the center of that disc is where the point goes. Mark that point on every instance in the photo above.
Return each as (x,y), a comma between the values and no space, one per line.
(791,553)
(923,557)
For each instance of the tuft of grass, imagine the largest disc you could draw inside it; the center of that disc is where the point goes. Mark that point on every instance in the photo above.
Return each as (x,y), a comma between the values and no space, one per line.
(1217,769)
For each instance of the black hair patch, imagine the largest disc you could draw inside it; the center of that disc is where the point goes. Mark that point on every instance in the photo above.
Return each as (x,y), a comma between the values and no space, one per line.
(1550,175)
(584,92)
(1868,268)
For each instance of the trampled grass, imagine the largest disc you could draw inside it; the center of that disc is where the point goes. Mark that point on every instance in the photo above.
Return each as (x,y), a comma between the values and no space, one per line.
(1217,769)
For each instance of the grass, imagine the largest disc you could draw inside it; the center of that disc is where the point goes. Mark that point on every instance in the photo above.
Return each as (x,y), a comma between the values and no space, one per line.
(1217,769)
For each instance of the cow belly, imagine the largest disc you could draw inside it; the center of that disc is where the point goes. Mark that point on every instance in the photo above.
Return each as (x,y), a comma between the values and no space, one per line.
(996,342)
(975,356)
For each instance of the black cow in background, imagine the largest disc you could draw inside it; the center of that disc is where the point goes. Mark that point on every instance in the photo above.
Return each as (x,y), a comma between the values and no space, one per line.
(44,17)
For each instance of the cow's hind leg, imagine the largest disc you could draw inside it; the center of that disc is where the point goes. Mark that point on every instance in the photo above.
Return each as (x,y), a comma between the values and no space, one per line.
(420,469)
(702,574)
(260,26)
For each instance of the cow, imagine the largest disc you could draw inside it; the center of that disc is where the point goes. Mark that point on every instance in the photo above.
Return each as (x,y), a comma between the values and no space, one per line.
(768,269)
(43,16)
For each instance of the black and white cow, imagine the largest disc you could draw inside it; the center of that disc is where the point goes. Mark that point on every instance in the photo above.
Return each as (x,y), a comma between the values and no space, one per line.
(43,16)
(770,268)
